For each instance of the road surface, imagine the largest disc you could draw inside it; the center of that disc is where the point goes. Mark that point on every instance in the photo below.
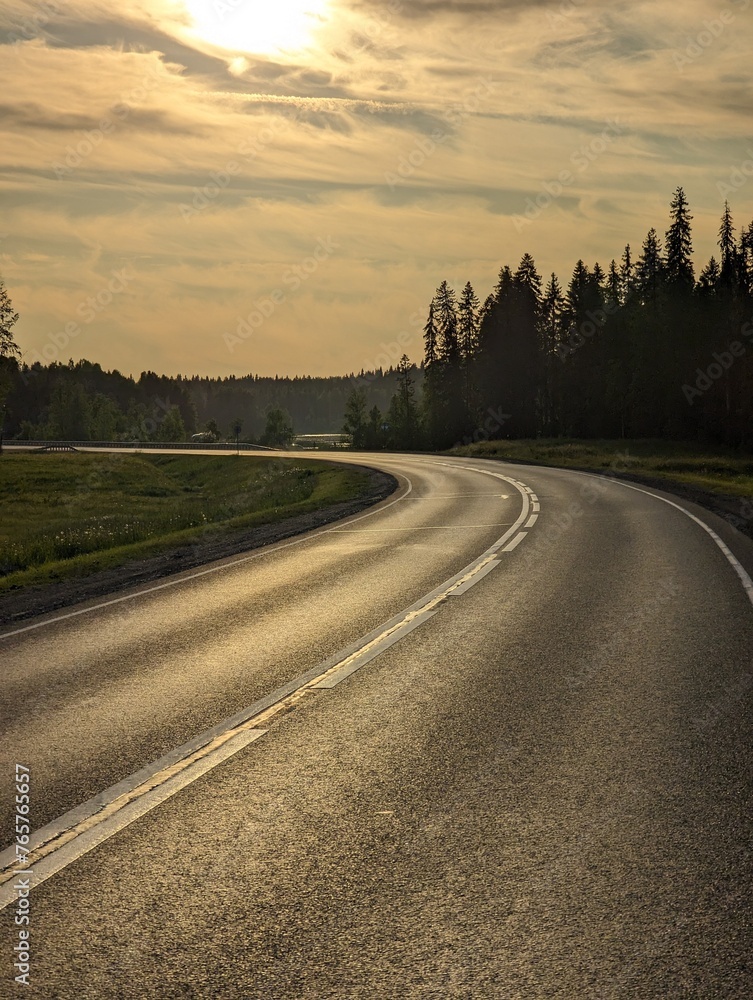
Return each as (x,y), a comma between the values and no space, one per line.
(492,739)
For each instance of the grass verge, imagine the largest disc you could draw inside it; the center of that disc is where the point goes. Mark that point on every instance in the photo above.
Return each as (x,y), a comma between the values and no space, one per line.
(720,471)
(70,515)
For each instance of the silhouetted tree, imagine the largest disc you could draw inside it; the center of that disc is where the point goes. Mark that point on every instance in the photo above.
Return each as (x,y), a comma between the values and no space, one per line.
(278,432)
(8,319)
(355,418)
(678,247)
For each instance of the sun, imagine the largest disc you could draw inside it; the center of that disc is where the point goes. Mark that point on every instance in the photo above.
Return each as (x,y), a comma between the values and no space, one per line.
(256,26)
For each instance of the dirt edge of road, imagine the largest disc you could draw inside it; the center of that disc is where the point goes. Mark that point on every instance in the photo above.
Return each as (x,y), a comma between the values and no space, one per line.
(33,601)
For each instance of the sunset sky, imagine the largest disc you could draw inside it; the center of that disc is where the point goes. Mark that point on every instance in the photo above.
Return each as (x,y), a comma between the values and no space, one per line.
(312,169)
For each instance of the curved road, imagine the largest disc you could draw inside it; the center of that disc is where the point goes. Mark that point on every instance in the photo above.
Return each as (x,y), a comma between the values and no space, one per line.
(491,739)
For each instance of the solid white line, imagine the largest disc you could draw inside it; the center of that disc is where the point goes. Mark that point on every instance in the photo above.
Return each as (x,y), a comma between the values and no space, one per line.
(361,659)
(99,830)
(422,527)
(81,829)
(462,496)
(263,551)
(745,579)
(465,587)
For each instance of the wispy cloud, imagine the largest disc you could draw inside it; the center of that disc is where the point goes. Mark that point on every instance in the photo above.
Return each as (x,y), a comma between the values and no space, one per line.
(413,132)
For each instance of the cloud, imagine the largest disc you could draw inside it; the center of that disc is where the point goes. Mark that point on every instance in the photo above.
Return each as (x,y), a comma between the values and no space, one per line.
(413,133)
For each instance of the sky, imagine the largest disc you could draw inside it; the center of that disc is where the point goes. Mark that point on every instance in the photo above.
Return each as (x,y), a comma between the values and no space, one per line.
(220,187)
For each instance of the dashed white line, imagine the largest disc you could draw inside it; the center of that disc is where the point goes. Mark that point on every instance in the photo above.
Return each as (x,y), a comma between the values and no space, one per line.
(79,831)
(264,551)
(515,542)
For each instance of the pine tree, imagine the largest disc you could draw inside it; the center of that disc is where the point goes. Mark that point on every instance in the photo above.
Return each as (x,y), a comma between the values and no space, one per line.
(649,271)
(523,387)
(8,319)
(745,259)
(678,259)
(598,277)
(708,280)
(355,417)
(468,316)
(468,311)
(446,312)
(403,412)
(627,274)
(430,337)
(552,336)
(614,285)
(728,251)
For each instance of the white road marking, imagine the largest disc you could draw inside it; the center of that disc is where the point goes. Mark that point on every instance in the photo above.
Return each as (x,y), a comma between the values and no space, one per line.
(372,650)
(83,837)
(515,542)
(465,587)
(531,520)
(742,573)
(536,505)
(462,496)
(80,830)
(422,527)
(263,551)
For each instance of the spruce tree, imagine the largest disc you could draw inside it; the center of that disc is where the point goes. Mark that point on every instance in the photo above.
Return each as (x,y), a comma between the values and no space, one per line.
(678,247)
(627,274)
(649,270)
(8,319)
(468,317)
(728,251)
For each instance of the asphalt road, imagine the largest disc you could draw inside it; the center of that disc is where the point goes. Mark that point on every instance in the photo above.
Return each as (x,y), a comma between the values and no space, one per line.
(543,790)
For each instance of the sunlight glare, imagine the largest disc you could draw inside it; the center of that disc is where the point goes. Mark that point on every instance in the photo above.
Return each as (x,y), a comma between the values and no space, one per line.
(256,26)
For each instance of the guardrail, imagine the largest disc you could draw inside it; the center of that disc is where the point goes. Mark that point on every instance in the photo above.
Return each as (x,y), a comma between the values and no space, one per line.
(187,445)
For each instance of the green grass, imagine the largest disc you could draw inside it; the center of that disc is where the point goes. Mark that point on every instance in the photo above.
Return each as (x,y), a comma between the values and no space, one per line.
(715,470)
(66,515)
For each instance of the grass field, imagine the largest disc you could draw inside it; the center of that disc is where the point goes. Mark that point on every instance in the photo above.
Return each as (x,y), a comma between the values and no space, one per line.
(65,515)
(715,470)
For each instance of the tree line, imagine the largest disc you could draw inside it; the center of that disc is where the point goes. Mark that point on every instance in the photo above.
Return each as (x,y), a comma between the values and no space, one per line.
(81,401)
(642,349)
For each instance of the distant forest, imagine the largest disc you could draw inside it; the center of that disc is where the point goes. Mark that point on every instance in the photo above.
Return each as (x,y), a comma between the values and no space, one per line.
(79,401)
(641,349)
